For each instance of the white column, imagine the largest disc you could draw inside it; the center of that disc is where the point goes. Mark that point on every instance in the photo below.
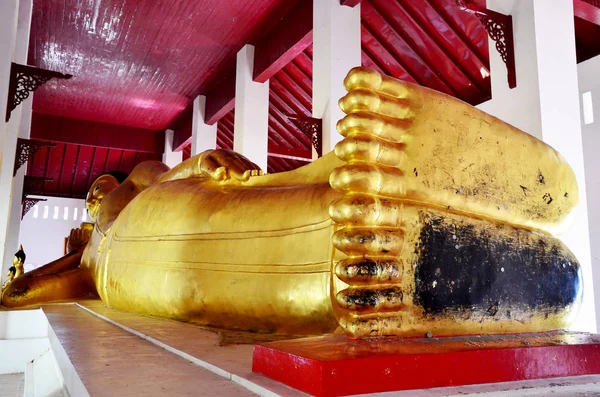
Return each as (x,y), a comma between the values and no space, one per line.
(518,106)
(8,131)
(336,50)
(251,125)
(204,136)
(170,157)
(546,104)
(589,86)
(23,125)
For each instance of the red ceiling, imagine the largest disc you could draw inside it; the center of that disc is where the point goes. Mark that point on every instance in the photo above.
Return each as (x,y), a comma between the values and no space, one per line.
(434,44)
(140,63)
(72,168)
(587,38)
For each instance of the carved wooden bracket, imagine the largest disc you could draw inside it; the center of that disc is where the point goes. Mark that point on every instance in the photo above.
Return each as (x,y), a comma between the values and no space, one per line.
(26,148)
(25,80)
(311,127)
(33,185)
(500,29)
(29,203)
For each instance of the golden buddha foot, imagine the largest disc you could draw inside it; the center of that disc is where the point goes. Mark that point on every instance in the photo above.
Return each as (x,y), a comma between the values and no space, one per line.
(430,216)
(434,229)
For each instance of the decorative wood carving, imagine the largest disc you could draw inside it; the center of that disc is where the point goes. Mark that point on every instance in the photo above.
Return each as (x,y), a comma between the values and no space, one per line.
(25,80)
(29,203)
(26,148)
(500,29)
(311,127)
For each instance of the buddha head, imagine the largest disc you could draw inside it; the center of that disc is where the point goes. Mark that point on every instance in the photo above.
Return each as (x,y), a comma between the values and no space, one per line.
(19,258)
(103,185)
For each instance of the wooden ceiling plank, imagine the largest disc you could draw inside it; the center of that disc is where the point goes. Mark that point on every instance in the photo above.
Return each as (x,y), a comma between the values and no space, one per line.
(103,162)
(467,27)
(291,36)
(67,175)
(83,168)
(227,133)
(287,129)
(304,62)
(475,50)
(80,132)
(128,161)
(447,44)
(112,161)
(37,165)
(586,11)
(401,47)
(300,78)
(88,181)
(378,52)
(127,57)
(278,133)
(291,103)
(295,90)
(220,100)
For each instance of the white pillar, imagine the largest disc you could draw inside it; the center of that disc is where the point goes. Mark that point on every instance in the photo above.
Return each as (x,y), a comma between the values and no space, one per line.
(204,136)
(170,157)
(24,127)
(545,103)
(336,50)
(251,125)
(589,85)
(8,30)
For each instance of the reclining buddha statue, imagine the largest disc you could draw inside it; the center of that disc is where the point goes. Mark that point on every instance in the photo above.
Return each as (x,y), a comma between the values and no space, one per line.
(429,216)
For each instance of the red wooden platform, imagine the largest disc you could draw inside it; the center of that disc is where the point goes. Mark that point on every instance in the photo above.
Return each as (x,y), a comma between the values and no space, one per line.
(338,366)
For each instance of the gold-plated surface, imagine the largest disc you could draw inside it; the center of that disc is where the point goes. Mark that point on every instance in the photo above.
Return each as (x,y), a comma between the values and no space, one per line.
(406,142)
(378,289)
(17,268)
(339,241)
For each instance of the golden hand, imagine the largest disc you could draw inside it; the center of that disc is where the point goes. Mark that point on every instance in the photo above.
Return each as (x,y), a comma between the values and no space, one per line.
(79,237)
(228,166)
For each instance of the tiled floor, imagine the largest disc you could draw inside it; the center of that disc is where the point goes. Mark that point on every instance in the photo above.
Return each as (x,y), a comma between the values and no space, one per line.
(113,362)
(12,385)
(195,341)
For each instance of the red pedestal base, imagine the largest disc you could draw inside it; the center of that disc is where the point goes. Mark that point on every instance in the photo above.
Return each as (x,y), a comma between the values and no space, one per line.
(338,366)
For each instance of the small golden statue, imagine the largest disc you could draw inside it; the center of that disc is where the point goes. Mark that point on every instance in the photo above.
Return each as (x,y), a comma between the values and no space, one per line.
(430,216)
(16,269)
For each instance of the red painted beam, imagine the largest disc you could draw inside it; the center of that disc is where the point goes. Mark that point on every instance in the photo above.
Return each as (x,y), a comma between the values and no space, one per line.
(182,135)
(285,152)
(349,3)
(288,39)
(89,133)
(586,11)
(220,98)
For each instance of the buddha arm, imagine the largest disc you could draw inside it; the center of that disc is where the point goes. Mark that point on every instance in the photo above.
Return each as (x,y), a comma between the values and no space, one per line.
(35,289)
(57,280)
